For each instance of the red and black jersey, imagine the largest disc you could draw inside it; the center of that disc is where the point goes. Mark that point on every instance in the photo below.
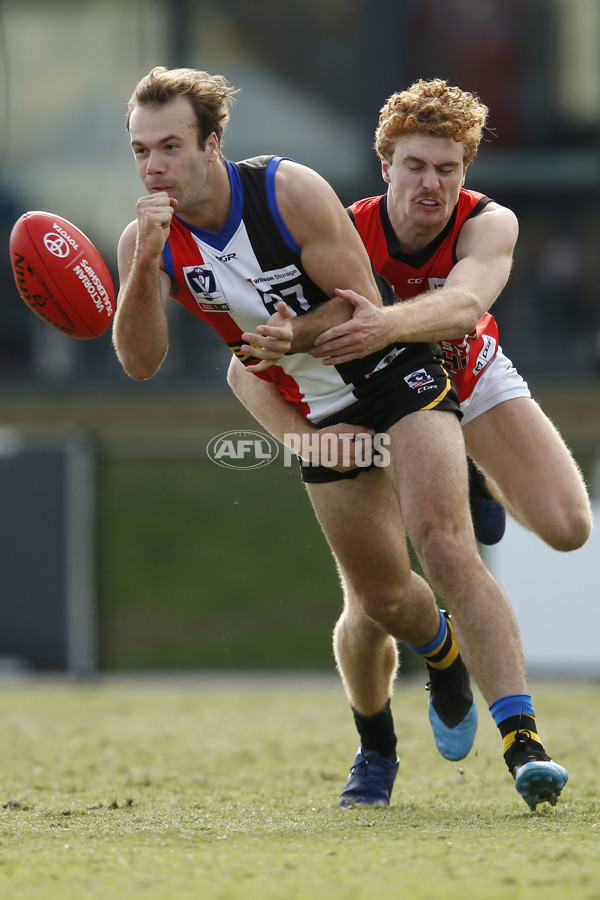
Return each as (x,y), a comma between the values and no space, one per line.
(413,274)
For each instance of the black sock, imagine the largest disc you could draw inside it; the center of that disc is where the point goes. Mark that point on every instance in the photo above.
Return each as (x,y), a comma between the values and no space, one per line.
(377,732)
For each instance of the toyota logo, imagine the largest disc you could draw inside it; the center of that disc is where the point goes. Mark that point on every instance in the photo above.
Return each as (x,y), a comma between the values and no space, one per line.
(56,245)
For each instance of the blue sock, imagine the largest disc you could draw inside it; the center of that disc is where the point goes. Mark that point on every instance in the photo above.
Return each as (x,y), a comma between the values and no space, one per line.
(441,652)
(511,705)
(514,714)
(437,642)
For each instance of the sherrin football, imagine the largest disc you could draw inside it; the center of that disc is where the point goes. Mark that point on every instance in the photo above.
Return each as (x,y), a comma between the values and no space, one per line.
(61,276)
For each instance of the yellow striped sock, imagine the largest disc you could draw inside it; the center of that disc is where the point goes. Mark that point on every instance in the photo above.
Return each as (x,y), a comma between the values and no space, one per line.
(509,739)
(446,652)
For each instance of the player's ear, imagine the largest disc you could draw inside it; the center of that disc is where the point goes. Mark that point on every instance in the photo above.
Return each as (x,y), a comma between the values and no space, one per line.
(385,171)
(212,146)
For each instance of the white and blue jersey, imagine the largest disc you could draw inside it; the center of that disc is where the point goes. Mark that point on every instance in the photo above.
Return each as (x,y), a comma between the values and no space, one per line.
(234,278)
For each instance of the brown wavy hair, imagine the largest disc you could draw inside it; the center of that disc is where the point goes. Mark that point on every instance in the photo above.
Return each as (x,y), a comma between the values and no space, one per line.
(210,97)
(431,107)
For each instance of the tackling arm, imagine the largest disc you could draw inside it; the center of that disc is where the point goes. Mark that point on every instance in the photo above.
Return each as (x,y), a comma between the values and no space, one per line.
(485,250)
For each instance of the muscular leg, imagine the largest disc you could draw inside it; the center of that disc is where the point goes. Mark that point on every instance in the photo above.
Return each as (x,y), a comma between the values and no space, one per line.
(428,470)
(384,600)
(539,482)
(363,520)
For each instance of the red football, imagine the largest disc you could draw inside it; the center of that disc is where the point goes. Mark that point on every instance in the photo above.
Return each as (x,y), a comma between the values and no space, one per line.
(61,276)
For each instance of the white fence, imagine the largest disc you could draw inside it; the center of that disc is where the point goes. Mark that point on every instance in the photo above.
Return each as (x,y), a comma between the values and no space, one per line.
(556,598)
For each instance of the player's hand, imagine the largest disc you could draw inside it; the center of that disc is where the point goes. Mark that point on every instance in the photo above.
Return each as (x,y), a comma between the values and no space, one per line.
(366,332)
(342,447)
(154,215)
(272,340)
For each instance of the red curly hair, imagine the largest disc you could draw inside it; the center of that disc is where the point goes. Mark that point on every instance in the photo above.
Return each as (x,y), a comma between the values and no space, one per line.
(431,107)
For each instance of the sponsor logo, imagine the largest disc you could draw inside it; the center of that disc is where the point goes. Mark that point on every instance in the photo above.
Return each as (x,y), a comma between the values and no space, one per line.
(419,379)
(59,246)
(383,363)
(486,354)
(242,449)
(274,276)
(56,245)
(66,235)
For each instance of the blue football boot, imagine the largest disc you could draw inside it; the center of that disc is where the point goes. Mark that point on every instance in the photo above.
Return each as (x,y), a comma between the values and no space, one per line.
(370,781)
(538,779)
(489,516)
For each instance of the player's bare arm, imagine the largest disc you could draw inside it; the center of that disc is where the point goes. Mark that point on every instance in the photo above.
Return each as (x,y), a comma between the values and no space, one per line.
(333,254)
(282,419)
(140,332)
(485,251)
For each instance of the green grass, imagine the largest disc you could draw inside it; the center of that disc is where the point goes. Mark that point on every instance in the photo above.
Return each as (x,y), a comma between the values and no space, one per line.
(202,566)
(226,786)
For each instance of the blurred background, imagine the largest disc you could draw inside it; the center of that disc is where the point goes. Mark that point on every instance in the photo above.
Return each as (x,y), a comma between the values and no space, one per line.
(186,564)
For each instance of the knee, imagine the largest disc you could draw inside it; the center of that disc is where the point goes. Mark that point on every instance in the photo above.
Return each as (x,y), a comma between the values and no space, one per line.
(354,621)
(379,601)
(446,557)
(380,607)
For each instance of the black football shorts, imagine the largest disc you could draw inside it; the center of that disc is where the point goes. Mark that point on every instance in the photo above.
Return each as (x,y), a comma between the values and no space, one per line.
(418,382)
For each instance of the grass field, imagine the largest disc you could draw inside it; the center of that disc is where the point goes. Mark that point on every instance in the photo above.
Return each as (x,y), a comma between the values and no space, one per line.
(226,786)
(204,567)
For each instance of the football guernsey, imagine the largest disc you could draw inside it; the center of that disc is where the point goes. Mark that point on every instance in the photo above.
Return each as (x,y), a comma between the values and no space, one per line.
(233,279)
(412,274)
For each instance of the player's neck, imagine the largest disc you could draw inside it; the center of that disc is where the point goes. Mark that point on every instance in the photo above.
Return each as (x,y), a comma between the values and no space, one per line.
(211,209)
(413,237)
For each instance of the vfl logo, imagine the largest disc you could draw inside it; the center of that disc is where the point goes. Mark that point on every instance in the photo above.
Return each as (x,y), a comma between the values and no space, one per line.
(202,280)
(56,245)
(417,380)
(203,283)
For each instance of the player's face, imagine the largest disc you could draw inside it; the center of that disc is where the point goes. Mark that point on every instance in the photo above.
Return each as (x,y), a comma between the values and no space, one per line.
(164,140)
(425,177)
